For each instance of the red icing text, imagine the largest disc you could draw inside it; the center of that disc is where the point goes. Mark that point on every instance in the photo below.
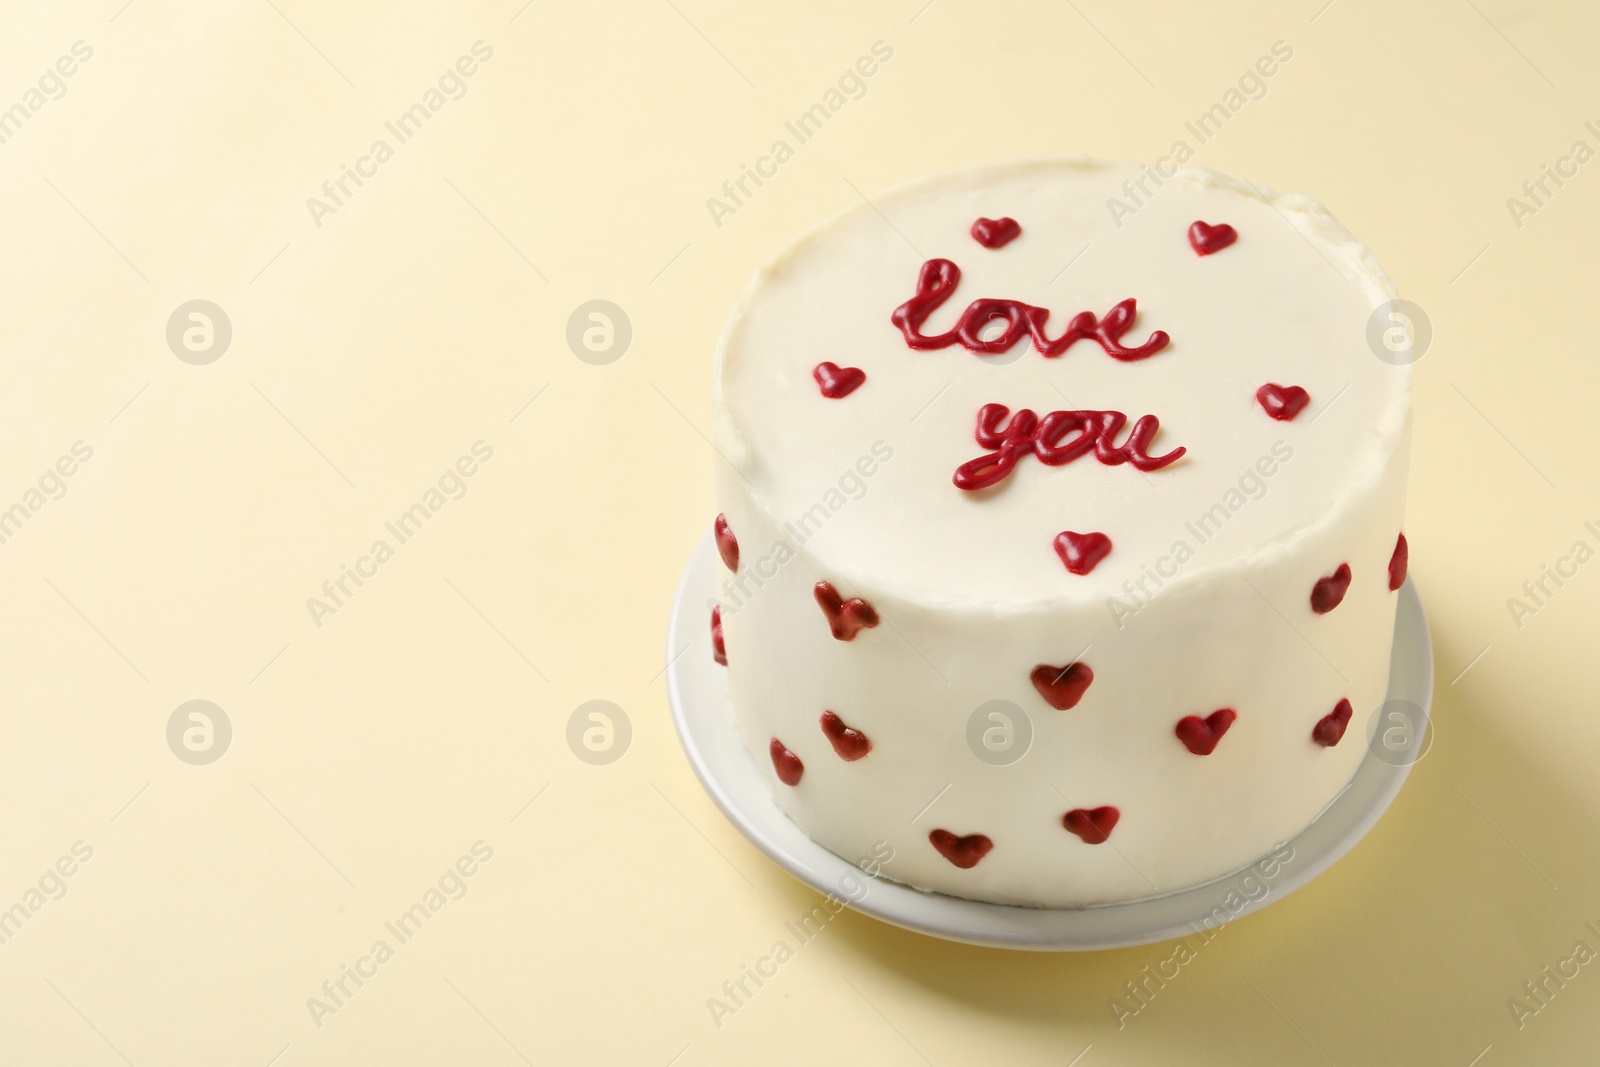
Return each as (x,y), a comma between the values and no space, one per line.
(937,282)
(1060,437)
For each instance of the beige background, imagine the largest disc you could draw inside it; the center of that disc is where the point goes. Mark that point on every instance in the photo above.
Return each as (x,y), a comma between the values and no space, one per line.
(368,354)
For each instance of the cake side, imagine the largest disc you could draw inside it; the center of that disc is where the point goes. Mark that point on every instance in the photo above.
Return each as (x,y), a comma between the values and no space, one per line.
(928,663)
(925,685)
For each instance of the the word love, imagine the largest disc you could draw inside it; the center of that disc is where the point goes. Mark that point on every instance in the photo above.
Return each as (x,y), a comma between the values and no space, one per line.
(937,282)
(1060,437)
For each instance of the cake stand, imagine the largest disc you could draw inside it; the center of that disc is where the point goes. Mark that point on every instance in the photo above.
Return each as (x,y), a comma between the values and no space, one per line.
(696,690)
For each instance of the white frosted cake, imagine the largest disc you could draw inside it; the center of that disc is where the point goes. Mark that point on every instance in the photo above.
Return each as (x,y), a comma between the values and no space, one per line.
(1061,527)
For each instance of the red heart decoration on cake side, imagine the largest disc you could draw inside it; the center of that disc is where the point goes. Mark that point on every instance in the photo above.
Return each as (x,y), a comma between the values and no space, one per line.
(719,651)
(964,852)
(727,544)
(836,381)
(851,744)
(993,233)
(846,618)
(1330,728)
(1205,238)
(1081,551)
(1062,687)
(1398,564)
(1200,736)
(786,763)
(1329,592)
(1094,825)
(1282,402)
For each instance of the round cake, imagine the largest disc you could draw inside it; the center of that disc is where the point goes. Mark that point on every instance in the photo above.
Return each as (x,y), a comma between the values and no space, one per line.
(1061,527)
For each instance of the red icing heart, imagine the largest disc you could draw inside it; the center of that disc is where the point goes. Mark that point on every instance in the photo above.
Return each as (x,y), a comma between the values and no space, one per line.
(1330,728)
(727,544)
(786,763)
(1282,402)
(850,743)
(1200,736)
(1062,687)
(719,651)
(993,233)
(1081,551)
(1398,563)
(1205,238)
(845,617)
(1329,592)
(1094,825)
(837,381)
(964,852)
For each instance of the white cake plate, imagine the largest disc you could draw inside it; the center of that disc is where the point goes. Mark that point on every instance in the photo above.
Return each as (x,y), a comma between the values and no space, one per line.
(697,692)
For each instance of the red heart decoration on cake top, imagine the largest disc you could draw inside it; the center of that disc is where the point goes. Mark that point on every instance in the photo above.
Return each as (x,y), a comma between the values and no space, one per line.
(1329,592)
(836,381)
(993,233)
(1282,402)
(1200,736)
(727,544)
(1330,728)
(1081,551)
(1205,238)
(1062,687)
(1398,563)
(850,743)
(786,763)
(846,618)
(719,651)
(964,852)
(1094,825)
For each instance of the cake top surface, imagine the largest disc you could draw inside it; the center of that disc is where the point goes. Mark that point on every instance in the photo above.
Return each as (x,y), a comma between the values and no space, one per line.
(1035,262)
